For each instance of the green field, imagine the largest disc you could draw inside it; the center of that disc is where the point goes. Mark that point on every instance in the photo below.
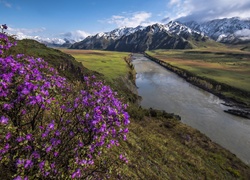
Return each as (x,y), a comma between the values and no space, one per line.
(223,65)
(110,64)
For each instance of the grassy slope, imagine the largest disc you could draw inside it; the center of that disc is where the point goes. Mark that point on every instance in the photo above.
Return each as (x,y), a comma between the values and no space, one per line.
(224,65)
(110,64)
(168,149)
(160,147)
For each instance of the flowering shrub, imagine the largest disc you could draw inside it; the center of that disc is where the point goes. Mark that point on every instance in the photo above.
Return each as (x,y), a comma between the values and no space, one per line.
(51,129)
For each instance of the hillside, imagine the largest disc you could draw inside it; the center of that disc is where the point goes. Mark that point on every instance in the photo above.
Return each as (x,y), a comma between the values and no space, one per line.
(64,63)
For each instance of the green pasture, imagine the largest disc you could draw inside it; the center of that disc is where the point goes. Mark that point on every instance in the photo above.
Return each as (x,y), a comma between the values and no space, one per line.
(110,64)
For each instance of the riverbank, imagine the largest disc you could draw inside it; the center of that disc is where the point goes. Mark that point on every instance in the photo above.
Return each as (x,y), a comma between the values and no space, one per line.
(238,108)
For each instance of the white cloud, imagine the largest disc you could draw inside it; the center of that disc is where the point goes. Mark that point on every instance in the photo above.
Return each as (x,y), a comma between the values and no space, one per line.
(5,3)
(243,34)
(200,10)
(77,35)
(20,35)
(174,2)
(130,19)
(80,34)
(24,30)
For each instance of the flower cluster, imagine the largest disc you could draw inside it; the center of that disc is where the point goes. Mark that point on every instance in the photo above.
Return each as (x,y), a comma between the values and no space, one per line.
(50,128)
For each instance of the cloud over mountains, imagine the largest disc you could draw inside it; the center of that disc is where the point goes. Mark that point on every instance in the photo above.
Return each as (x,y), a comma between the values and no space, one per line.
(202,10)
(130,19)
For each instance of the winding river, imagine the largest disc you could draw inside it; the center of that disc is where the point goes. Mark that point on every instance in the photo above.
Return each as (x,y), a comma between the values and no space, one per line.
(164,90)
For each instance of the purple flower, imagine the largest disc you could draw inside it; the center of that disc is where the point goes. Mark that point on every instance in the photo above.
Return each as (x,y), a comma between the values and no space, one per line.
(56,154)
(125,130)
(7,106)
(57,133)
(25,91)
(28,164)
(18,178)
(29,137)
(53,165)
(20,162)
(7,146)
(41,165)
(19,55)
(23,112)
(124,137)
(28,148)
(76,174)
(36,155)
(4,120)
(44,135)
(48,149)
(8,136)
(20,139)
(71,133)
(51,125)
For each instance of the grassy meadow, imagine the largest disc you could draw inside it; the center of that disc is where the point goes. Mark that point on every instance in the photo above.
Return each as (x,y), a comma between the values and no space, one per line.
(229,66)
(110,64)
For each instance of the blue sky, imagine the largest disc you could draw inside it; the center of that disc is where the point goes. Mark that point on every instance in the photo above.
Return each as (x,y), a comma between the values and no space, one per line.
(80,18)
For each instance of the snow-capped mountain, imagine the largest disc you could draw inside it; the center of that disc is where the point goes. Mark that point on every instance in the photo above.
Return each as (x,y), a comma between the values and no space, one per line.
(103,40)
(172,35)
(117,33)
(227,30)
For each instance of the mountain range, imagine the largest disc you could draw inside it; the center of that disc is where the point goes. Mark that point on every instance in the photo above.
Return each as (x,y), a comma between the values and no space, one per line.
(173,35)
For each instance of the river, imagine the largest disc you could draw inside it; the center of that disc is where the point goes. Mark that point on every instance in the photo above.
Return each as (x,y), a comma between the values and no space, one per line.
(164,90)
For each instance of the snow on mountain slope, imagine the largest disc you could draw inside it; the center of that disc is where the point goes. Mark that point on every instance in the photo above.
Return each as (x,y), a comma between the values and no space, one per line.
(173,35)
(117,33)
(227,30)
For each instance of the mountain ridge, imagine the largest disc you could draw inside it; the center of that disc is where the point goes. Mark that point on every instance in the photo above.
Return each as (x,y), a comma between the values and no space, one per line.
(184,34)
(173,35)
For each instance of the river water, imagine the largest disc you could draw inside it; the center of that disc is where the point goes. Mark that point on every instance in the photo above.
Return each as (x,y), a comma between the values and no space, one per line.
(164,90)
